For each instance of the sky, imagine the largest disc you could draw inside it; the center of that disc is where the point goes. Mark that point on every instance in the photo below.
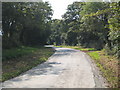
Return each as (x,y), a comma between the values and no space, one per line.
(59,6)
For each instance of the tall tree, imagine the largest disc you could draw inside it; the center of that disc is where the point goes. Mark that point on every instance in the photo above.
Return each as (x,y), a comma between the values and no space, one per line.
(71,19)
(92,31)
(26,23)
(114,26)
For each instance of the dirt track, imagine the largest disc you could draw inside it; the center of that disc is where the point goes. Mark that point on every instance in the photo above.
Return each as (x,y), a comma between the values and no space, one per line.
(67,68)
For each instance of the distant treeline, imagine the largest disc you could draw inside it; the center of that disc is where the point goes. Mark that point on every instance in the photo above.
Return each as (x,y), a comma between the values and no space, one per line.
(89,24)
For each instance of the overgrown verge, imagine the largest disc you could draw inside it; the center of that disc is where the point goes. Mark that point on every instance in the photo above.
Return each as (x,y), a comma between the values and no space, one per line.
(18,60)
(108,64)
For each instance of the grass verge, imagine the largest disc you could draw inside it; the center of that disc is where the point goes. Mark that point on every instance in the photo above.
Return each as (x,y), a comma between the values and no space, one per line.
(78,48)
(108,66)
(17,52)
(18,60)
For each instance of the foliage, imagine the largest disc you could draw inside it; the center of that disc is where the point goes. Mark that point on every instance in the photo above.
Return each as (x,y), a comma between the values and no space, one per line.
(91,25)
(55,37)
(25,23)
(114,26)
(80,30)
(66,28)
(93,32)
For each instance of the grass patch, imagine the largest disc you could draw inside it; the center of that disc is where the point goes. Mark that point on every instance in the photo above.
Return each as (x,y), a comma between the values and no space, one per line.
(95,55)
(23,61)
(85,49)
(108,66)
(78,48)
(17,52)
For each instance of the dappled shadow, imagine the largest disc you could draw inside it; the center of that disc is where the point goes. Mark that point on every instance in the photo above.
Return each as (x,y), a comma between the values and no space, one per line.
(46,68)
(63,52)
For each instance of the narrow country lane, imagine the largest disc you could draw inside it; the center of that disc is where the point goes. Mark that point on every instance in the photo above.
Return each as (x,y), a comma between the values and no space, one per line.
(67,68)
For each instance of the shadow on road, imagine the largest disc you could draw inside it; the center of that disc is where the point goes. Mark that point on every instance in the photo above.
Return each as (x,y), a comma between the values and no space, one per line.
(46,68)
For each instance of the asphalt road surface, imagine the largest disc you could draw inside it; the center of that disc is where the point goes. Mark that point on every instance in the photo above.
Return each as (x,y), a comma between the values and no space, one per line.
(66,68)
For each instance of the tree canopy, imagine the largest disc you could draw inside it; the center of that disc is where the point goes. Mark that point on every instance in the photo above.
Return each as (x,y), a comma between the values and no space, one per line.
(25,23)
(90,24)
